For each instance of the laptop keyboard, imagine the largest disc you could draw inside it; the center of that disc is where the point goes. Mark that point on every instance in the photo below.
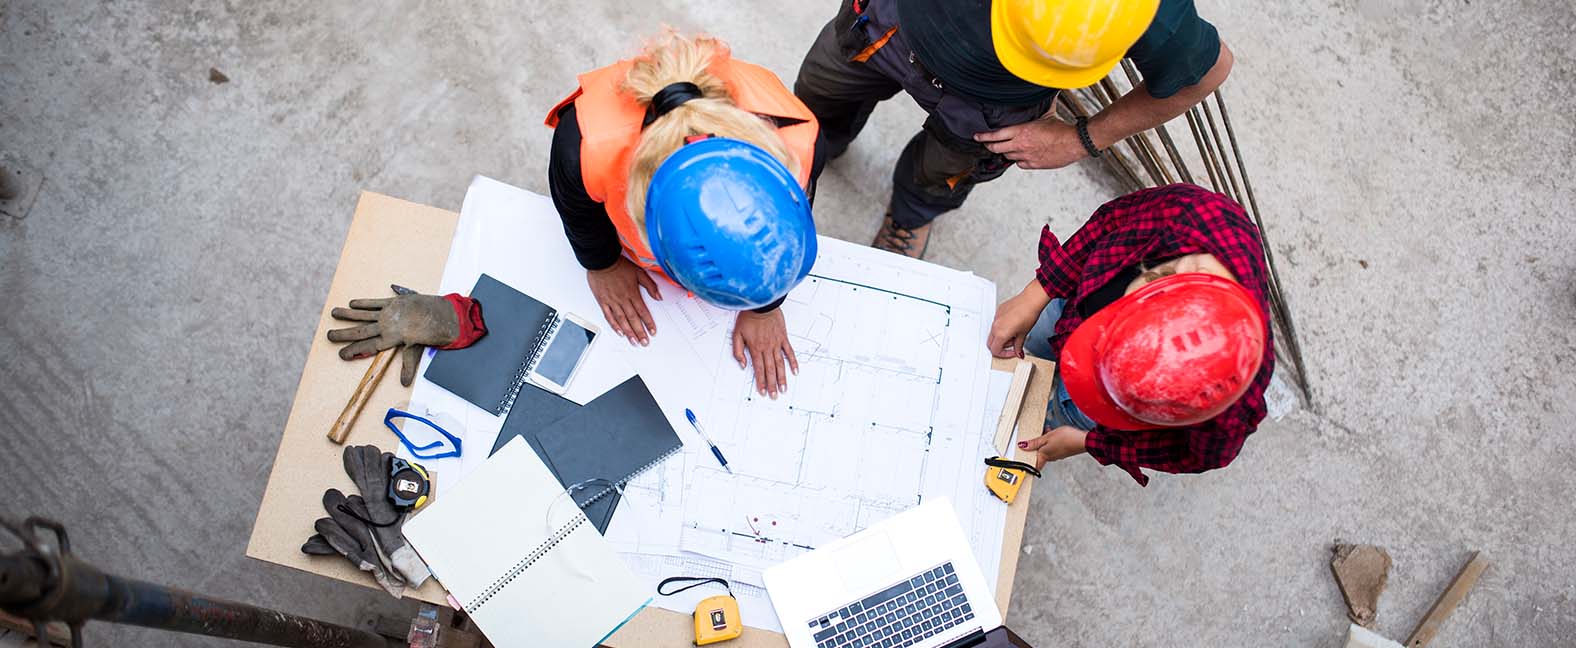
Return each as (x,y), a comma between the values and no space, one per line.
(905,614)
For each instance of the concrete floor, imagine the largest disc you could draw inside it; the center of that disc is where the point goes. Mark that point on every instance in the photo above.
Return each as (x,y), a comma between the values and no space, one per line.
(1412,159)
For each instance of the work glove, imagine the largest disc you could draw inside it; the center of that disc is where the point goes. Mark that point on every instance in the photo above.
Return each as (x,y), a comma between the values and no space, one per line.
(342,533)
(368,467)
(410,320)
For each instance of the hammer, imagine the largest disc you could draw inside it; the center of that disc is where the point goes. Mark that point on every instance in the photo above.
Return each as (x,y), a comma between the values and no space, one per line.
(369,382)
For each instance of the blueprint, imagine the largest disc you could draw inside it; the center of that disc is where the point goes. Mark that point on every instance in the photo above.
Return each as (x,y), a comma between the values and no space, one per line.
(894,402)
(755,608)
(889,407)
(991,514)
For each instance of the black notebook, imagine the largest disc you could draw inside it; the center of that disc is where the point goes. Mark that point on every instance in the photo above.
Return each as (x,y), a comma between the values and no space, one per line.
(615,437)
(491,372)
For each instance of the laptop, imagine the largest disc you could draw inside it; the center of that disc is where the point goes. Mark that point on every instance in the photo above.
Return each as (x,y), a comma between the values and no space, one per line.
(909,580)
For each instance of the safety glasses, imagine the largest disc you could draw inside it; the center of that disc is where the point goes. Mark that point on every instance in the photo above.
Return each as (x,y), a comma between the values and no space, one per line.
(423,438)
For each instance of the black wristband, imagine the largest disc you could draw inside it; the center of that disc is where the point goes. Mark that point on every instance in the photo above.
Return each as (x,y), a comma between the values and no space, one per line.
(1083,136)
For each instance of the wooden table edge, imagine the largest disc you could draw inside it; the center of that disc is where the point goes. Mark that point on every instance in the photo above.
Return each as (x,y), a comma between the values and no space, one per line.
(652,624)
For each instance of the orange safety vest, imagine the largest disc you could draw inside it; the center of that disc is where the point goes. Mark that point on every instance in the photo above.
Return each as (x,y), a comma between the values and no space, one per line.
(610,124)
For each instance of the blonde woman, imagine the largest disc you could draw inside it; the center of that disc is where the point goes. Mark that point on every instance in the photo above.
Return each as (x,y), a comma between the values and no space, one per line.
(688,164)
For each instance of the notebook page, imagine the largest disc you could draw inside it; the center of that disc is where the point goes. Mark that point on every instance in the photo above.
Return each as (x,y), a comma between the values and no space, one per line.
(484,530)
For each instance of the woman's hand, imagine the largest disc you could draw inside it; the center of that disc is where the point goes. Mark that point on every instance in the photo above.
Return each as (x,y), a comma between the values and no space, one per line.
(1014,318)
(1055,445)
(617,291)
(763,337)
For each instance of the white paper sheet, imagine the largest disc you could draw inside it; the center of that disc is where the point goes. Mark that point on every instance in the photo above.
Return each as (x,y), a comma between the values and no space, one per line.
(530,572)
(986,530)
(755,608)
(886,410)
(515,236)
(889,406)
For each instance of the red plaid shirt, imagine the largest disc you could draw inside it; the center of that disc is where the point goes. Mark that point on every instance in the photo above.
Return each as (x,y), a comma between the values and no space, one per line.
(1155,224)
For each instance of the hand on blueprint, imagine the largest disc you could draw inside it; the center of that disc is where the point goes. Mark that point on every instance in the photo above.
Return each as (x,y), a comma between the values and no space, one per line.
(1014,318)
(617,291)
(1055,445)
(763,337)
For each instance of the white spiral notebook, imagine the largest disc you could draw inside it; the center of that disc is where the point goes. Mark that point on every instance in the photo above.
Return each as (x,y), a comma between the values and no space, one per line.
(526,581)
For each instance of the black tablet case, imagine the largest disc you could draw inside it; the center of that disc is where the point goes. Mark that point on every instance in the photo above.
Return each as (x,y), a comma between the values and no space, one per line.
(613,437)
(488,372)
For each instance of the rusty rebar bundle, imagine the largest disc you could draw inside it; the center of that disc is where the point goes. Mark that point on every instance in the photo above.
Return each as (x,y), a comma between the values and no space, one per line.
(1137,163)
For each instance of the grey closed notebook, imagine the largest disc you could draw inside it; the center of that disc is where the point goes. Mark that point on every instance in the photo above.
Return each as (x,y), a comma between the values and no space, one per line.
(534,409)
(490,372)
(614,437)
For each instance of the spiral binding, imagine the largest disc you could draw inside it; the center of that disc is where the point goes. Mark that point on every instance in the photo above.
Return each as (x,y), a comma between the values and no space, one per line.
(543,335)
(525,563)
(548,544)
(620,483)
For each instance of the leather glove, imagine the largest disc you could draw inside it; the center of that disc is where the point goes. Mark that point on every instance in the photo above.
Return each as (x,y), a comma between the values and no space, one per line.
(342,534)
(368,467)
(409,320)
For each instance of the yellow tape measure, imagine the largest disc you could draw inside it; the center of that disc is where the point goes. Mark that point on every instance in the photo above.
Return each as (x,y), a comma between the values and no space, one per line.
(1004,477)
(716,617)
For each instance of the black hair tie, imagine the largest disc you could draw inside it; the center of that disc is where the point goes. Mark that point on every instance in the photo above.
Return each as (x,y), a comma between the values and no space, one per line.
(669,97)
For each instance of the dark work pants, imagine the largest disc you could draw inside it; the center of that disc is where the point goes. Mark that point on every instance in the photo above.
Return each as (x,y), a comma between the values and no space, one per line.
(939,167)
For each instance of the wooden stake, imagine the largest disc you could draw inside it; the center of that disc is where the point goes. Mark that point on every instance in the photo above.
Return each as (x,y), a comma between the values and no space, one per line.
(1448,600)
(1009,412)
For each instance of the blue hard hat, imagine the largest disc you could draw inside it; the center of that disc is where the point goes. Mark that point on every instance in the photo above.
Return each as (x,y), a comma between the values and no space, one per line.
(730,223)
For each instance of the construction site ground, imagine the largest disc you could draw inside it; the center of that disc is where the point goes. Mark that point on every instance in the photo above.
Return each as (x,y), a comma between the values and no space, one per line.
(1412,160)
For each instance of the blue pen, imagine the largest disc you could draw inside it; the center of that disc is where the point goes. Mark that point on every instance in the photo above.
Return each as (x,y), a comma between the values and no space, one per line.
(704,437)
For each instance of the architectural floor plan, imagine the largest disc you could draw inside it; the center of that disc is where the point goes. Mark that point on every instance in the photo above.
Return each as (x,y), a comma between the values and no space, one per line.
(886,410)
(850,442)
(894,402)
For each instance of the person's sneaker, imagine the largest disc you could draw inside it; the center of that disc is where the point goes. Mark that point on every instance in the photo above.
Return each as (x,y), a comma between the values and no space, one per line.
(902,240)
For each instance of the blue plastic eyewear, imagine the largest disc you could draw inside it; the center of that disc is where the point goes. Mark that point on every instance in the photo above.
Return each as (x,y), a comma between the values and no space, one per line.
(420,452)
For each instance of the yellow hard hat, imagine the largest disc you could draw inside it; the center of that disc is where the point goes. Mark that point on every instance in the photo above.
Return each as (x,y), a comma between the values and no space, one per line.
(1066,44)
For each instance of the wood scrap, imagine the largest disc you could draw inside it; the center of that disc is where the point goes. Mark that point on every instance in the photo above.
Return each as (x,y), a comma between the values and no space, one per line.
(1448,600)
(1361,571)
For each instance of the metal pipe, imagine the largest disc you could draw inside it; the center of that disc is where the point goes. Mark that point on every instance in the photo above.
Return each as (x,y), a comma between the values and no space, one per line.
(1107,86)
(1283,310)
(1203,149)
(1100,99)
(1165,136)
(1132,73)
(43,584)
(1113,158)
(144,604)
(1148,148)
(1139,146)
(1176,155)
(1142,147)
(21,579)
(1236,151)
(1214,132)
(1222,178)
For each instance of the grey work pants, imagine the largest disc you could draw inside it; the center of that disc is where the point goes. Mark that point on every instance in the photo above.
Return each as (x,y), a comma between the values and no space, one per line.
(942,163)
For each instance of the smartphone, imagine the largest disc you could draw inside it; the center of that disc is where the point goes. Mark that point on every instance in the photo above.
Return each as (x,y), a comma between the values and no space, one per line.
(564,353)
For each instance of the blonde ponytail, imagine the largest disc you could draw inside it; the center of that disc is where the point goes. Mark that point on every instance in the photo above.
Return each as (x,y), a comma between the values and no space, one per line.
(673,58)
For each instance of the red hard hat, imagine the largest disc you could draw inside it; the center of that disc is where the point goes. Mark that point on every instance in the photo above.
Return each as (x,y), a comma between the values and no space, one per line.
(1176,352)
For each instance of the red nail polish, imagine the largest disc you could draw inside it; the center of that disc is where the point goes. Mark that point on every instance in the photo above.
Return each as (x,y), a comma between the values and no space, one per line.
(1023,445)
